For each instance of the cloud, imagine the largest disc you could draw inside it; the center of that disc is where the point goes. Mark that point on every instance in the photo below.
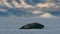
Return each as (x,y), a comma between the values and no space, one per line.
(3,10)
(21,8)
(37,12)
(47,15)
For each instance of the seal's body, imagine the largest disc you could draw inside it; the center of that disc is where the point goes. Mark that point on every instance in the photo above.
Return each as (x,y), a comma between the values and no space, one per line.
(33,26)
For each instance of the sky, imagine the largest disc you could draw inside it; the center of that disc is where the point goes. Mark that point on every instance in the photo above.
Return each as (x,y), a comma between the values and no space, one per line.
(30,8)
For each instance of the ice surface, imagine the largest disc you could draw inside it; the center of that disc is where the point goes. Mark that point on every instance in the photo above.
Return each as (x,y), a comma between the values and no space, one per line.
(11,25)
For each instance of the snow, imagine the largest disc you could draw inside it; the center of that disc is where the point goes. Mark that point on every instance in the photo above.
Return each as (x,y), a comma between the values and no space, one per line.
(11,25)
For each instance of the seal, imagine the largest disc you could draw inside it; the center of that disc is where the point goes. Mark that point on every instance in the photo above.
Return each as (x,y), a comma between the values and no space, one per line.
(32,26)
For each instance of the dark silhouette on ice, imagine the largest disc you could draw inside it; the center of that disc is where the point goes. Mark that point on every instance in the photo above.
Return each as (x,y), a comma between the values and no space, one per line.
(32,26)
